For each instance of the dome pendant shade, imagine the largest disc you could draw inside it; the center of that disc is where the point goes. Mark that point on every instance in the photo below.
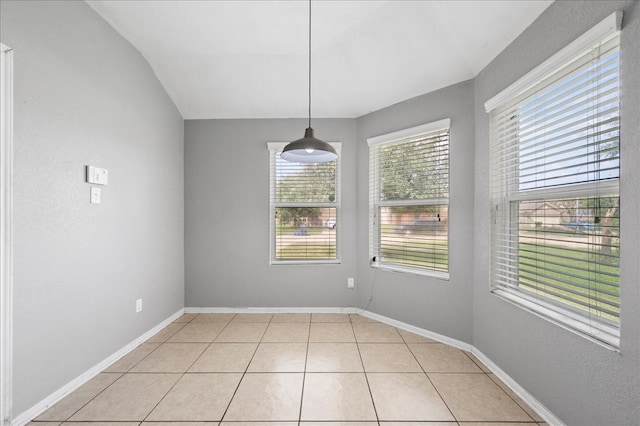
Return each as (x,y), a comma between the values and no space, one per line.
(309,150)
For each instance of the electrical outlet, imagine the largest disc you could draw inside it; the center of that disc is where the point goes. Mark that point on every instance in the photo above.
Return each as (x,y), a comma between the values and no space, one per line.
(350,283)
(138,306)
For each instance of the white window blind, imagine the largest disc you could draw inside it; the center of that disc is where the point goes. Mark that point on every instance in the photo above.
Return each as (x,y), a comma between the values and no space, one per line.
(409,200)
(305,209)
(555,166)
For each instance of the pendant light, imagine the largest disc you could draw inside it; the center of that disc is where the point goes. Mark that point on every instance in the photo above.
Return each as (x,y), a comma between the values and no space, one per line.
(309,149)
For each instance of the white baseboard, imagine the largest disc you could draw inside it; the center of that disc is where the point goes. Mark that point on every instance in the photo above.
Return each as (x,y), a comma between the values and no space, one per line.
(243,310)
(419,331)
(531,401)
(43,405)
(33,412)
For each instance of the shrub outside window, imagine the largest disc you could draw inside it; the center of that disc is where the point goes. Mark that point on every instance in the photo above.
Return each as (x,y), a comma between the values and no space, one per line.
(409,200)
(555,169)
(305,209)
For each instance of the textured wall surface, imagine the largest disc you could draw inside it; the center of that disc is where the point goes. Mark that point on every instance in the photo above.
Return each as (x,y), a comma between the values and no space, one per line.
(441,306)
(83,95)
(579,381)
(227,217)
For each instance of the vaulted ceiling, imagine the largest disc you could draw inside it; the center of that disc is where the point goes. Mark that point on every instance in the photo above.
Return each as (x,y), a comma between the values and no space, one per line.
(249,59)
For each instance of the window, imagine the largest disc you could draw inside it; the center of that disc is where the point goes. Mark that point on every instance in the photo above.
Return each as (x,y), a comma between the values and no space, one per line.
(305,209)
(555,167)
(409,200)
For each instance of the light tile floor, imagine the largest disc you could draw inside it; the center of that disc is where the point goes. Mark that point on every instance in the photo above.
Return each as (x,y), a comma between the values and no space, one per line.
(290,370)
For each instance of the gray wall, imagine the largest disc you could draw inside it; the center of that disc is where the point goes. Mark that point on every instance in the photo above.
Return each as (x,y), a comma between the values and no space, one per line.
(227,217)
(579,381)
(83,95)
(441,306)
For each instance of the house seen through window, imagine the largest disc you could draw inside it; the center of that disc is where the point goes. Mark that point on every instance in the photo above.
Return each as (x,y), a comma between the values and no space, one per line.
(555,200)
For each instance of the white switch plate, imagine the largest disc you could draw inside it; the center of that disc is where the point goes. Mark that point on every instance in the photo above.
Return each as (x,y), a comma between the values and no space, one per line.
(95,195)
(138,306)
(97,175)
(350,283)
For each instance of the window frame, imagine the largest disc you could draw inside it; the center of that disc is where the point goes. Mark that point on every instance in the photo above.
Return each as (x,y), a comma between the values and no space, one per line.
(375,203)
(598,330)
(274,149)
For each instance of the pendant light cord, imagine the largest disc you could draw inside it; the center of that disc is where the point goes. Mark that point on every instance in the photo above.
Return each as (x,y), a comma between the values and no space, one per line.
(309,63)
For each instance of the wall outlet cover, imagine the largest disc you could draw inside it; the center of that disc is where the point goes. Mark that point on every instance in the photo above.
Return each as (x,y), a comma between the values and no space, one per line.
(95,195)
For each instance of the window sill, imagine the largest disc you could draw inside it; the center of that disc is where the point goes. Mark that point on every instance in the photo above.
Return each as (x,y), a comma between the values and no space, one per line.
(413,271)
(605,336)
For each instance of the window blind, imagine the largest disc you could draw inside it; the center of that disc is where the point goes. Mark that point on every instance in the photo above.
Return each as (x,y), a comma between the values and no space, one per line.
(304,209)
(555,167)
(409,198)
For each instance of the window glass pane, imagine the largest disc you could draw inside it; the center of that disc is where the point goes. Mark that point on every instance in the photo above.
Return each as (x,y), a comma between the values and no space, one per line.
(415,236)
(409,191)
(415,170)
(555,170)
(569,252)
(307,233)
(305,182)
(568,131)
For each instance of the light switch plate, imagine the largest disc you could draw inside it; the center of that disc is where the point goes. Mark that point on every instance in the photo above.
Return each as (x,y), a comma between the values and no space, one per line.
(97,175)
(95,195)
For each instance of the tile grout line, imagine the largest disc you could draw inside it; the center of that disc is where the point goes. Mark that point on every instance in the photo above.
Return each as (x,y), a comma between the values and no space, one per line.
(246,369)
(430,381)
(184,324)
(122,374)
(500,387)
(364,371)
(353,325)
(90,400)
(304,372)
(187,369)
(210,343)
(516,402)
(179,378)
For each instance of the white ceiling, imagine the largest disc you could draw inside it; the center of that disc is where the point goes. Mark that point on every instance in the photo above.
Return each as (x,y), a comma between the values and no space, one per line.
(249,59)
